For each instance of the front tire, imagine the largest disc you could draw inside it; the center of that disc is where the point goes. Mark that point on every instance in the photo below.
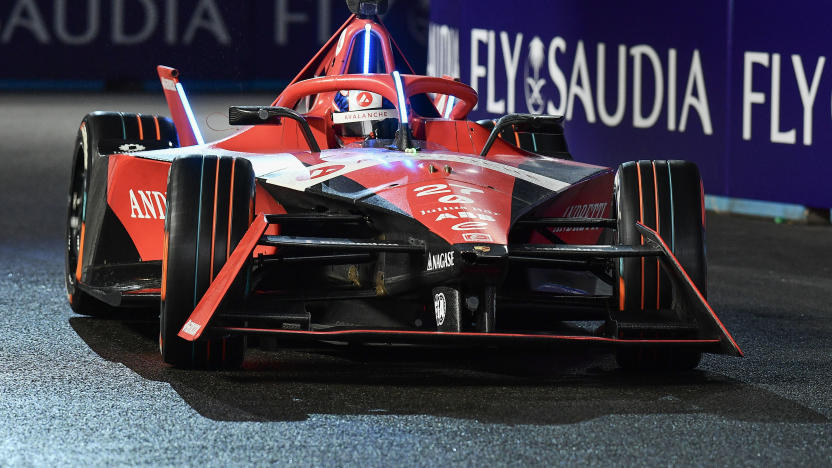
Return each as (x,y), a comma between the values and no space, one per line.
(210,206)
(81,302)
(665,196)
(99,135)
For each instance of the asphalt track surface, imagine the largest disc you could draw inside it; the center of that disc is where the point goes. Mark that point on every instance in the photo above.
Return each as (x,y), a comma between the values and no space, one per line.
(84,391)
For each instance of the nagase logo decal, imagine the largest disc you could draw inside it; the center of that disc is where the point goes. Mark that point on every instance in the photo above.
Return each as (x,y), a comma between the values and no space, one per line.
(440,261)
(147,204)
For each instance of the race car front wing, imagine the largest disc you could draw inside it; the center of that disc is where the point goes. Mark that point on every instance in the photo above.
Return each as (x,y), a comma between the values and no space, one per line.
(711,334)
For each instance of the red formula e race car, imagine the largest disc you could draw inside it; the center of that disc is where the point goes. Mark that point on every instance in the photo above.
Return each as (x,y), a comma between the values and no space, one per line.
(361,205)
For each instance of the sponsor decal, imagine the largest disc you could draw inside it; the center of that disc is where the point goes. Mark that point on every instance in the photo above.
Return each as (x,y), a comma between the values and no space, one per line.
(469,226)
(361,115)
(140,23)
(364,99)
(131,147)
(477,237)
(147,204)
(464,214)
(359,100)
(480,216)
(440,306)
(588,210)
(169,84)
(324,171)
(440,261)
(191,328)
(482,213)
(436,189)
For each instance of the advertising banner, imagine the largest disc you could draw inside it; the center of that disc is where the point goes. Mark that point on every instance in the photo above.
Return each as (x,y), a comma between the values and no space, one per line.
(742,87)
(236,42)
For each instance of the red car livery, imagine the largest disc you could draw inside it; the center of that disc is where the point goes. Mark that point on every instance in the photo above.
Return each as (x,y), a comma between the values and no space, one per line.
(362,205)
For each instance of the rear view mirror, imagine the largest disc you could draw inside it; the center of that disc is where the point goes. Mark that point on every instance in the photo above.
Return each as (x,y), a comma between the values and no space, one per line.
(254,115)
(265,115)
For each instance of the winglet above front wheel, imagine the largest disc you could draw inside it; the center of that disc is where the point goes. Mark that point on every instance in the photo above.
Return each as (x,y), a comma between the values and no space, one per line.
(696,303)
(208,305)
(180,108)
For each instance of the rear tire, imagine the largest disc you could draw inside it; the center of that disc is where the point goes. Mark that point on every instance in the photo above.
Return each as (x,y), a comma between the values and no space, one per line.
(210,207)
(665,196)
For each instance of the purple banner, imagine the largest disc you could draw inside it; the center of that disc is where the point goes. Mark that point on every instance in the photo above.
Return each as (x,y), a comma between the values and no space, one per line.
(124,40)
(741,87)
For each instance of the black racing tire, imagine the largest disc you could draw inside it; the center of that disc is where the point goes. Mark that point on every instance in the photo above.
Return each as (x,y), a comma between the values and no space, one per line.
(80,301)
(210,207)
(667,197)
(112,128)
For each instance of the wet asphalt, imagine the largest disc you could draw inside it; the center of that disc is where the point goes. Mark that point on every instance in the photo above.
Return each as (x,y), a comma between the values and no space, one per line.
(83,391)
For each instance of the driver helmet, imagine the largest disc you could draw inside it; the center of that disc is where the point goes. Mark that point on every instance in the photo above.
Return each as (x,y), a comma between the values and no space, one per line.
(359,114)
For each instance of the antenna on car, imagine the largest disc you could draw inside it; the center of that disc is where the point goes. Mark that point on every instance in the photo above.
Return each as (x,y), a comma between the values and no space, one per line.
(366,9)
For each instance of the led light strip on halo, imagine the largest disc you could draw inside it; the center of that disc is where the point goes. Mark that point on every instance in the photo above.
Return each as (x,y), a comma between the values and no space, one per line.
(189,113)
(449,106)
(397,79)
(367,31)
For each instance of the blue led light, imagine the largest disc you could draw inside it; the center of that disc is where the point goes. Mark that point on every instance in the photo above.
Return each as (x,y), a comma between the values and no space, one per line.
(189,113)
(449,106)
(397,79)
(367,31)
(384,162)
